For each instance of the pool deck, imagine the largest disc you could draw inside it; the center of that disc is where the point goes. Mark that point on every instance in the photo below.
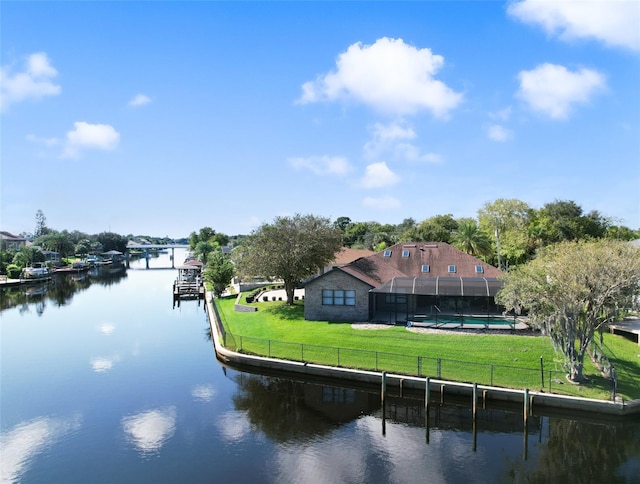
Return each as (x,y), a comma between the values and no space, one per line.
(627,327)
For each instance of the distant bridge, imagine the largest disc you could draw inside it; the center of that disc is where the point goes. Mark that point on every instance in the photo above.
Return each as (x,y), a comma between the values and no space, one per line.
(146,247)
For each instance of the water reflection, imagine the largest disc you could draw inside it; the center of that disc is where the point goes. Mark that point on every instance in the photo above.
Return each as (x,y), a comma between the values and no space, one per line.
(314,424)
(59,290)
(234,426)
(203,393)
(102,365)
(106,328)
(148,431)
(585,452)
(20,445)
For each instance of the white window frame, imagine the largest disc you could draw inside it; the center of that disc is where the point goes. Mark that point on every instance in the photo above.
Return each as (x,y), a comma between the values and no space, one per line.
(452,269)
(425,268)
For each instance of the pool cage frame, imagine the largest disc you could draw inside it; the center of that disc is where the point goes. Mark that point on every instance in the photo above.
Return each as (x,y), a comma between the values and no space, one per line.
(404,299)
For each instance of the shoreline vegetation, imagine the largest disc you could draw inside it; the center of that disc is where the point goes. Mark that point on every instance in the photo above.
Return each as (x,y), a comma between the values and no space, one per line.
(509,359)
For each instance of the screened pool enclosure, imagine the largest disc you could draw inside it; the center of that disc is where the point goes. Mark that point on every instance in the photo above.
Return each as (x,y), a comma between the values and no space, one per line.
(427,298)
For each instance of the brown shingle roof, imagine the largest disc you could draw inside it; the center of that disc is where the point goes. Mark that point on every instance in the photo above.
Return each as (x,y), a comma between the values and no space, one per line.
(380,268)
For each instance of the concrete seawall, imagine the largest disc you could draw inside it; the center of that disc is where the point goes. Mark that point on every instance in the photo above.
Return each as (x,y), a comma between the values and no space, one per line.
(403,382)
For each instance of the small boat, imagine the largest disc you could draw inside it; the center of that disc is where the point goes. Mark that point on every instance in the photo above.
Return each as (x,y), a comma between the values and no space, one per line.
(35,271)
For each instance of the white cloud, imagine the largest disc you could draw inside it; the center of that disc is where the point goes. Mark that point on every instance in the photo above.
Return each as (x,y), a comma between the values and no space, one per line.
(34,82)
(148,431)
(615,23)
(410,152)
(322,165)
(86,136)
(498,133)
(502,115)
(385,136)
(379,175)
(389,140)
(553,90)
(389,76)
(381,203)
(139,100)
(32,138)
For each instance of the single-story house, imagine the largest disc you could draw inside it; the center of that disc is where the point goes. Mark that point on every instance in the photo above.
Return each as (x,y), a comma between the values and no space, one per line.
(405,282)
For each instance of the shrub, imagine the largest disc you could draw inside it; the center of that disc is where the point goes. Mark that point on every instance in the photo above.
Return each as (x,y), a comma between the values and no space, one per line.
(13,271)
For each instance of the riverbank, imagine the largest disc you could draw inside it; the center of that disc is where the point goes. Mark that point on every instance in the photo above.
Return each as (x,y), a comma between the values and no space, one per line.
(529,399)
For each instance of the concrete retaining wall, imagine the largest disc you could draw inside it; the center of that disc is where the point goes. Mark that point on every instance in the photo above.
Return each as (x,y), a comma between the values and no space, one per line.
(539,399)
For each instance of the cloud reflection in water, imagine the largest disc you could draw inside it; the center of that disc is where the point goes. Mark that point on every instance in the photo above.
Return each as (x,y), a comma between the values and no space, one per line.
(20,445)
(204,393)
(148,431)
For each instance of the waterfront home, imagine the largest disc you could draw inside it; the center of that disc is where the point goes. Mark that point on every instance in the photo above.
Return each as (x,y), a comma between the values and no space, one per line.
(12,242)
(407,281)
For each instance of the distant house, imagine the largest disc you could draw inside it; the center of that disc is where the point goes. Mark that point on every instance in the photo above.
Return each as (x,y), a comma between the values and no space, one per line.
(407,281)
(9,241)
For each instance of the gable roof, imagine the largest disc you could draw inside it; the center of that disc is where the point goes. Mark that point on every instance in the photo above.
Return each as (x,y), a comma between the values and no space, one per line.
(346,255)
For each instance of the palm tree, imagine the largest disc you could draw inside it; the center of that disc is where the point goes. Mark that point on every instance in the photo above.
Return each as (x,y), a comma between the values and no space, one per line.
(470,239)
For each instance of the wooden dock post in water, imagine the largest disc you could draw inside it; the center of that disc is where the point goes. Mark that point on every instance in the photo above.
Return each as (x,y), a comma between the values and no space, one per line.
(383,391)
(526,406)
(475,400)
(427,396)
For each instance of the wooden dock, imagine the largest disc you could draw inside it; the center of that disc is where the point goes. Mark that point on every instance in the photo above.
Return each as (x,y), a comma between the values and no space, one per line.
(188,290)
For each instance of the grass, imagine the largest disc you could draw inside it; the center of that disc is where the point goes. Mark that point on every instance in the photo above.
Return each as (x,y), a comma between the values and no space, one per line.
(512,361)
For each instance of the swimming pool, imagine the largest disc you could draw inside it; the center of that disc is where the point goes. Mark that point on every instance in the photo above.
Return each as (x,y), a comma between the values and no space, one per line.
(467,322)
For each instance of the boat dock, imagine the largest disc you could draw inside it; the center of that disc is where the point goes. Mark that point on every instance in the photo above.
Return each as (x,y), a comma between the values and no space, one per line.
(189,284)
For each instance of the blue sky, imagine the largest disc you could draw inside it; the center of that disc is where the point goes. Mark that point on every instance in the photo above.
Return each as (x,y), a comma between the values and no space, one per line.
(160,118)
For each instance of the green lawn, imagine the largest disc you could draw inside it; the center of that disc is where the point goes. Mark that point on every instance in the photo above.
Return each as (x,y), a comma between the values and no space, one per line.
(513,361)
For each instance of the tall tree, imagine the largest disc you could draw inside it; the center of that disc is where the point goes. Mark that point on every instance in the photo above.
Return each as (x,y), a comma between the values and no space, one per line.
(572,289)
(41,224)
(291,249)
(438,228)
(508,220)
(469,238)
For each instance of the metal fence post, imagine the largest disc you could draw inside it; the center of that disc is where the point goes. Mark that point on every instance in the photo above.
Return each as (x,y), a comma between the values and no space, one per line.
(376,361)
(338,356)
(419,361)
(491,375)
(302,352)
(542,372)
(269,351)
(439,367)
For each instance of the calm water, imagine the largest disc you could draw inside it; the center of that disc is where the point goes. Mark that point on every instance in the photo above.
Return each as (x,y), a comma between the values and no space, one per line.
(103,380)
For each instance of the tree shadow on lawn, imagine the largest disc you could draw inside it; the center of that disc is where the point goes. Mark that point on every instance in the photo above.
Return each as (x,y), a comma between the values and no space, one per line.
(282,311)
(290,313)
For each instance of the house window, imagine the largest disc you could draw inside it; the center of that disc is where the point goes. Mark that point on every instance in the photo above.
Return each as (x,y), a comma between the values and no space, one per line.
(479,270)
(405,253)
(338,297)
(387,253)
(425,267)
(452,268)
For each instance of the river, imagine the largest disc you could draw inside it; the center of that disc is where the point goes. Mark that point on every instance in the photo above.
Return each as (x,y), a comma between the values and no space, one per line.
(103,380)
